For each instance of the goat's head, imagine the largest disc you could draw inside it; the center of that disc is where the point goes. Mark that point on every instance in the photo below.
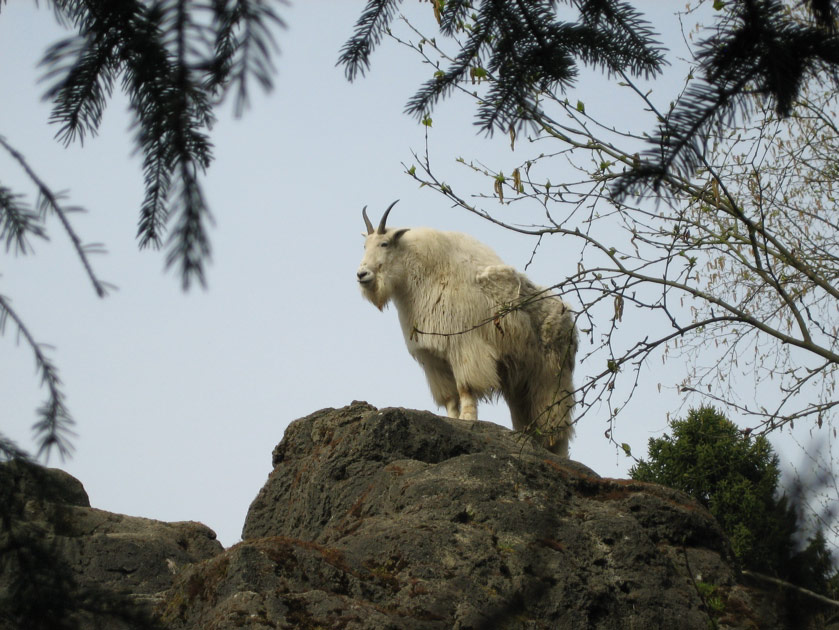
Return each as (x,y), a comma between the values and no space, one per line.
(382,265)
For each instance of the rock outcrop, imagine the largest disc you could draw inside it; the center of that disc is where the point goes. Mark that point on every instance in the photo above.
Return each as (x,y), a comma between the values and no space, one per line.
(402,519)
(64,564)
(398,519)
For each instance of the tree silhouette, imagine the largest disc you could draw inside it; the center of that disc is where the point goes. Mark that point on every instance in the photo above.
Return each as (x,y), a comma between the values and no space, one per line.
(177,61)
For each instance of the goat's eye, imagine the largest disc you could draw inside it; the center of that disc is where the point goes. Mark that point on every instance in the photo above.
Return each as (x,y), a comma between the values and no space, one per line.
(384,243)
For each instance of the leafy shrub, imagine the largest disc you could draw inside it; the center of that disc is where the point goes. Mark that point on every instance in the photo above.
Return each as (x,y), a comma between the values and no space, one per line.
(736,477)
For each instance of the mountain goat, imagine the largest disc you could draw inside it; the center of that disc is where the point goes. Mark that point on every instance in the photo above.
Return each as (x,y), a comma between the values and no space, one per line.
(477,327)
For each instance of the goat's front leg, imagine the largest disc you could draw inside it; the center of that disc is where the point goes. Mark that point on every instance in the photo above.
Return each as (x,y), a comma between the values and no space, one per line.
(453,408)
(468,404)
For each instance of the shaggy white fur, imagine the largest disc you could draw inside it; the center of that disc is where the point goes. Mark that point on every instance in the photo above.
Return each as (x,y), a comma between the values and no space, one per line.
(478,327)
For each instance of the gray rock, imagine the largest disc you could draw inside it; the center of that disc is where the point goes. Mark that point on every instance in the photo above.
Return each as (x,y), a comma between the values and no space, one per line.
(386,519)
(402,519)
(65,562)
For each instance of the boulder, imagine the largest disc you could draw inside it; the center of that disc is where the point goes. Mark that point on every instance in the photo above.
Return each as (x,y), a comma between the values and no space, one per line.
(402,519)
(65,562)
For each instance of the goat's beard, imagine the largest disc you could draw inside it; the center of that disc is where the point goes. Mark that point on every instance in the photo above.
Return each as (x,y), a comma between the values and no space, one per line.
(374,293)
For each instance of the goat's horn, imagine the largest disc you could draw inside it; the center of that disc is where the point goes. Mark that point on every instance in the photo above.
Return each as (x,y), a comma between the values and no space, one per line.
(367,220)
(381,229)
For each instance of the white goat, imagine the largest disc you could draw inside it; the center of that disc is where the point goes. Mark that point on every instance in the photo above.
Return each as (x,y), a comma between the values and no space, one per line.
(477,326)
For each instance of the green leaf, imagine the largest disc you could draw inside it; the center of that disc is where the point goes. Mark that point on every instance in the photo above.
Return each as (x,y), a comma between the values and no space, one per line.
(626,449)
(581,107)
(427,121)
(718,5)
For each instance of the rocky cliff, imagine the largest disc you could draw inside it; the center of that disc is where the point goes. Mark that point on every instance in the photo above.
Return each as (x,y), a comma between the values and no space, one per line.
(391,519)
(64,564)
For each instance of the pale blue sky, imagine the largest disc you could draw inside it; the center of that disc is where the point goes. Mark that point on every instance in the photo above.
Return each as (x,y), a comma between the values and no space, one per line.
(180,398)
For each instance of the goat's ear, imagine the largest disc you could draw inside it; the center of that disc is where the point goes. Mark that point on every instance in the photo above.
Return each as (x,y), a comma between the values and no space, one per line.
(399,234)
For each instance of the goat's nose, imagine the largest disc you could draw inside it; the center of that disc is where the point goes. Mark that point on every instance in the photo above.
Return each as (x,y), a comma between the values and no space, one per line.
(362,275)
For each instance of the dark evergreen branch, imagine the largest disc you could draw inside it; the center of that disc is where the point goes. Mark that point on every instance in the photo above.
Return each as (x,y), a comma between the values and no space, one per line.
(757,52)
(524,47)
(10,450)
(172,109)
(626,29)
(824,13)
(83,68)
(50,202)
(17,222)
(680,144)
(369,30)
(81,95)
(444,82)
(245,47)
(145,80)
(191,111)
(189,245)
(453,16)
(154,211)
(69,13)
(52,430)
(175,63)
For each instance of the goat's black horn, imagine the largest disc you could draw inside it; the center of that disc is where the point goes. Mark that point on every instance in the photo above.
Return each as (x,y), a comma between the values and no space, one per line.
(381,229)
(367,220)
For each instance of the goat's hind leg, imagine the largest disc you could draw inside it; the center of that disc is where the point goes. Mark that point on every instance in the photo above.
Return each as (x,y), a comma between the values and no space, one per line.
(552,411)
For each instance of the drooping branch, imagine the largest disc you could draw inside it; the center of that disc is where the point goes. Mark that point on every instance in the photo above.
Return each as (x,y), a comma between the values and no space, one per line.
(176,60)
(525,46)
(758,49)
(176,68)
(52,203)
(53,429)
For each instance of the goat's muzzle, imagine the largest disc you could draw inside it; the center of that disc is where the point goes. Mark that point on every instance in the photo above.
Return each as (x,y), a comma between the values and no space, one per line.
(365,276)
